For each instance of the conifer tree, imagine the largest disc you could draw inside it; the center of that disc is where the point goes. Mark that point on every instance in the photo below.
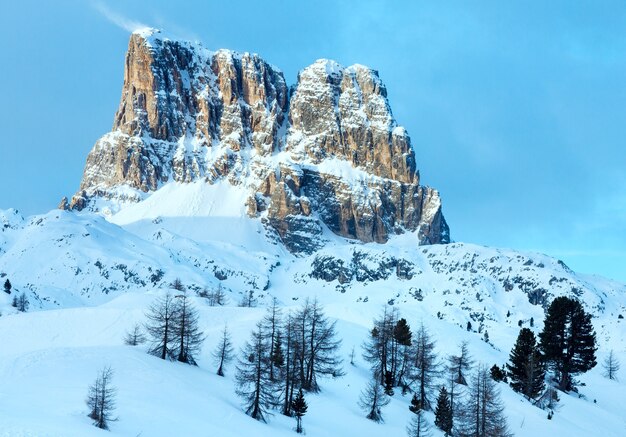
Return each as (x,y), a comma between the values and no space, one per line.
(388,383)
(278,359)
(253,381)
(189,338)
(379,349)
(291,366)
(223,353)
(402,337)
(611,365)
(461,364)
(299,408)
(7,286)
(525,367)
(425,367)
(443,412)
(214,297)
(101,399)
(415,404)
(161,326)
(568,341)
(272,322)
(418,426)
(373,399)
(318,346)
(497,374)
(22,303)
(177,285)
(483,415)
(135,336)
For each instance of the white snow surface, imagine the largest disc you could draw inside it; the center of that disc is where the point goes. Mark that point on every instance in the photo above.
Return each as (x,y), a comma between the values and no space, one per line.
(90,279)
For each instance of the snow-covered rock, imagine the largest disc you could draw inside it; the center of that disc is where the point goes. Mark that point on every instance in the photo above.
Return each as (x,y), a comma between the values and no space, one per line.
(327,153)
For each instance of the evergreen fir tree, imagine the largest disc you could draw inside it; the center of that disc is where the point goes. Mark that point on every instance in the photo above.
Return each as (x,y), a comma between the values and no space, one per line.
(299,408)
(568,341)
(278,359)
(525,367)
(443,412)
(7,286)
(388,383)
(415,404)
(403,338)
(373,399)
(496,373)
(223,353)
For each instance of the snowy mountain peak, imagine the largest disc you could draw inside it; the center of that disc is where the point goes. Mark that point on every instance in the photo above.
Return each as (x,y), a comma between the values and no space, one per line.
(148,32)
(326,155)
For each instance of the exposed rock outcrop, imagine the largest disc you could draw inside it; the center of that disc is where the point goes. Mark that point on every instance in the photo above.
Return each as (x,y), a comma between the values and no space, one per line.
(328,152)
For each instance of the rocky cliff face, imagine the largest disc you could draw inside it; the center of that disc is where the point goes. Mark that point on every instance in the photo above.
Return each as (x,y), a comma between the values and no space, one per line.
(328,152)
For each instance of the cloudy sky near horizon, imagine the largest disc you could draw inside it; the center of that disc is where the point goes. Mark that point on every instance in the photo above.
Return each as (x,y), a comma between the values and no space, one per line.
(516,110)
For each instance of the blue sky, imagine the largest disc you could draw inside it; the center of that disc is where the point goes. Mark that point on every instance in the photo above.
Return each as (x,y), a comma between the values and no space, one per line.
(517,110)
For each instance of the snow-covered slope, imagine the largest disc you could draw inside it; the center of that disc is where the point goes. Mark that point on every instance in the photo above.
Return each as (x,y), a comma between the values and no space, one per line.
(95,278)
(49,358)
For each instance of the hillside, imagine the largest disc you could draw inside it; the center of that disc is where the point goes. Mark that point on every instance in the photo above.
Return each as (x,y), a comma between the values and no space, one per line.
(95,278)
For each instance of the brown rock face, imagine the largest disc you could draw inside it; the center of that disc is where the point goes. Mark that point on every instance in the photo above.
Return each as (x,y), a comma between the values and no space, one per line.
(177,101)
(330,154)
(344,113)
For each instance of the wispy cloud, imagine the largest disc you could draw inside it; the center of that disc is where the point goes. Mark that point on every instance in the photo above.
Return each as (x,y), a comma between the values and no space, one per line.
(118,19)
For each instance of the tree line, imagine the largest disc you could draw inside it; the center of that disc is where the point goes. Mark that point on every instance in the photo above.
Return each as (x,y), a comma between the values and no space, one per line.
(468,401)
(464,398)
(288,352)
(286,355)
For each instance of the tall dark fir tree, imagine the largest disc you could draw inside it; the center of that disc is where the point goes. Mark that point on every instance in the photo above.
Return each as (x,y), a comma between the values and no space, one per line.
(443,412)
(299,408)
(568,341)
(526,368)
